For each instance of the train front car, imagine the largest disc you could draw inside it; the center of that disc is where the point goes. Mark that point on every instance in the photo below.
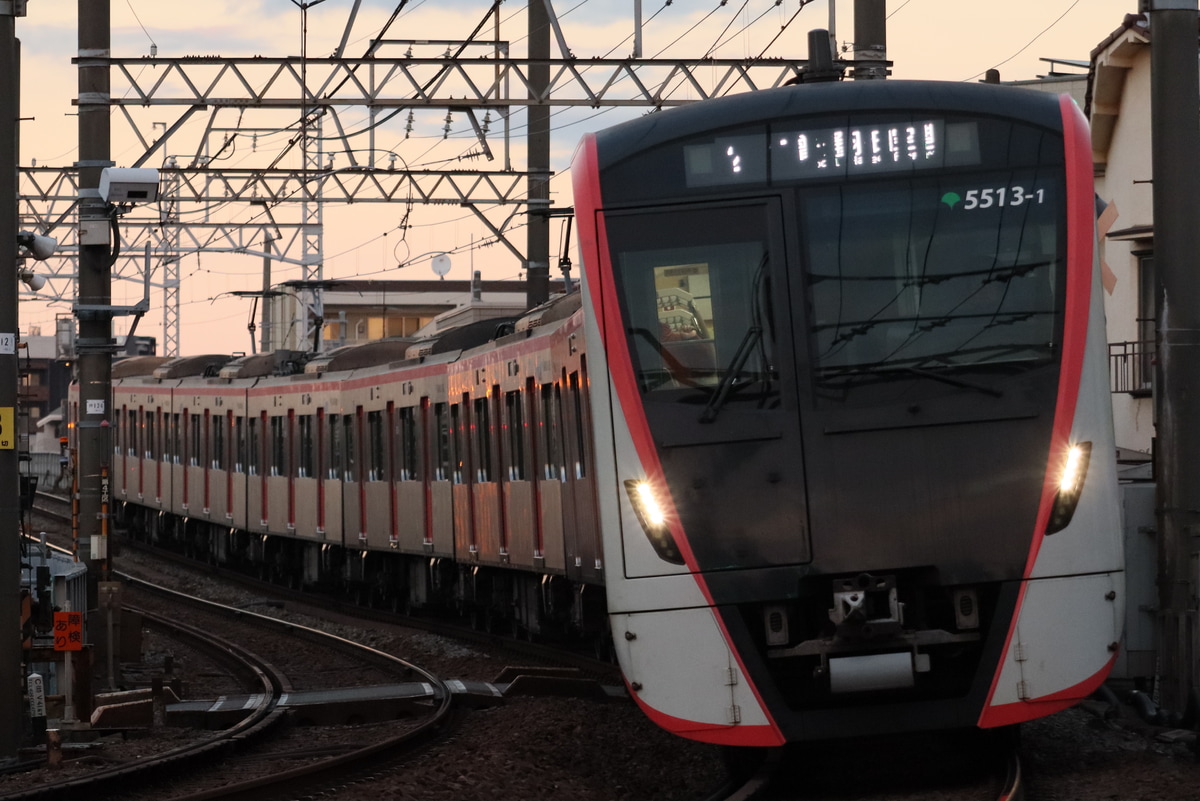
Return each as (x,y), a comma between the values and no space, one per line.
(858,471)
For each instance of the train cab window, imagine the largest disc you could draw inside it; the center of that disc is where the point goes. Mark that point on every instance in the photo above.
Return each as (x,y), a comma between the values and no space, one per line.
(514,426)
(915,280)
(442,442)
(376,447)
(278,446)
(304,453)
(407,452)
(694,287)
(551,432)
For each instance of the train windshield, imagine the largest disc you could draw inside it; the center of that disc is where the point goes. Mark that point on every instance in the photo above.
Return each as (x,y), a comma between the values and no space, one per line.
(933,273)
(694,287)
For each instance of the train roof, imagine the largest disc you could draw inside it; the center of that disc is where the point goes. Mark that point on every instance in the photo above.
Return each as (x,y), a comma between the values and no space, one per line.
(185,366)
(137,365)
(366,354)
(621,141)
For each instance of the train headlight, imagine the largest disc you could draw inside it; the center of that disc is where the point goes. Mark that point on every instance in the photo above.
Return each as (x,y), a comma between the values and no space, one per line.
(652,515)
(1070,486)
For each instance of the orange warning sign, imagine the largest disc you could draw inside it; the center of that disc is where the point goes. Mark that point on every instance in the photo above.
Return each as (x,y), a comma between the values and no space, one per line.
(68,631)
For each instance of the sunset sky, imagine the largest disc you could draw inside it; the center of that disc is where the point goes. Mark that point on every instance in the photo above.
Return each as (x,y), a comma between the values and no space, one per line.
(955,40)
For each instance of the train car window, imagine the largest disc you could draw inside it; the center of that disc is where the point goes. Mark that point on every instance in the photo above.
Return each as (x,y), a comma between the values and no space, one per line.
(336,449)
(407,440)
(377,468)
(278,446)
(304,461)
(483,440)
(239,439)
(253,437)
(514,425)
(132,433)
(117,434)
(578,424)
(151,451)
(171,438)
(350,464)
(551,437)
(193,456)
(442,442)
(218,442)
(458,452)
(694,287)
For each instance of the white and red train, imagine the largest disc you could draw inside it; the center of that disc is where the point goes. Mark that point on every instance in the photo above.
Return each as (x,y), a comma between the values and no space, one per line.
(824,444)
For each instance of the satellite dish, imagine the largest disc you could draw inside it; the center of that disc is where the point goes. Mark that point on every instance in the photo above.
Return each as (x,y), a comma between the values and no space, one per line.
(441,264)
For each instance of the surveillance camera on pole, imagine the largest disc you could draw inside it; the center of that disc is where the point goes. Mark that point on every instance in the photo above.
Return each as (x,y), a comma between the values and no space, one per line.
(38,246)
(128,185)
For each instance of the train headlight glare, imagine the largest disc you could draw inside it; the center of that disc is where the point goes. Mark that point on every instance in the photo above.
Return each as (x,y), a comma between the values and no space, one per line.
(1073,470)
(650,507)
(1070,486)
(652,517)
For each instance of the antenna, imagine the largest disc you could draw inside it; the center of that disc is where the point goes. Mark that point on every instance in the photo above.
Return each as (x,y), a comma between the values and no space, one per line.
(441,265)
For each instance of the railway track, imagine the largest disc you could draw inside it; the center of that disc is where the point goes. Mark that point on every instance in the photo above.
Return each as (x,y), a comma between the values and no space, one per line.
(774,782)
(245,759)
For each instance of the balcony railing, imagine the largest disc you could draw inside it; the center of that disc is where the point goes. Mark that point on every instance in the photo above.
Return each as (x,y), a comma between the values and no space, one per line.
(1131,367)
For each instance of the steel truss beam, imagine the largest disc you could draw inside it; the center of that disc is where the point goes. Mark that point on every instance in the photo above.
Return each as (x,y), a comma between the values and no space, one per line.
(451,83)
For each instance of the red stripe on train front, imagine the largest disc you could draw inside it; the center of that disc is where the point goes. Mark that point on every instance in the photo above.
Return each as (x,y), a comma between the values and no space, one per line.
(1021,711)
(756,736)
(1081,218)
(606,310)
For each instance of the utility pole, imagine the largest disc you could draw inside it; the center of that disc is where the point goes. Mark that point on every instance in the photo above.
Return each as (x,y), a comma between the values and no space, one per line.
(870,40)
(537,247)
(10,514)
(93,310)
(1175,148)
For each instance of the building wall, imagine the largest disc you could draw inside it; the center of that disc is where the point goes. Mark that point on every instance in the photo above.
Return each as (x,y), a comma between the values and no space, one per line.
(1125,170)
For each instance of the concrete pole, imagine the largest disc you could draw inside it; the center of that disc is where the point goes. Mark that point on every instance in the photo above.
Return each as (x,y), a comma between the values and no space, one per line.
(265,334)
(537,251)
(94,345)
(870,40)
(10,516)
(1175,147)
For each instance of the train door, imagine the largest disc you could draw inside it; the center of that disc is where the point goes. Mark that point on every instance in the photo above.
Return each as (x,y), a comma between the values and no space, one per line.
(149,454)
(550,468)
(577,419)
(321,468)
(236,513)
(439,502)
(521,527)
(186,456)
(465,547)
(207,464)
(413,481)
(700,349)
(486,498)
